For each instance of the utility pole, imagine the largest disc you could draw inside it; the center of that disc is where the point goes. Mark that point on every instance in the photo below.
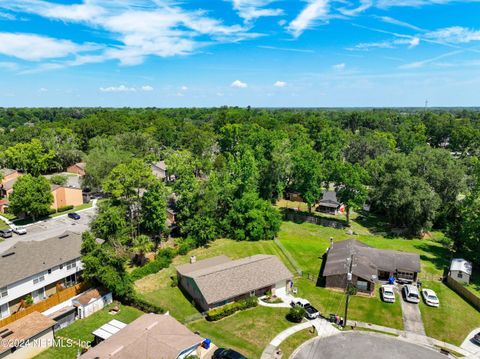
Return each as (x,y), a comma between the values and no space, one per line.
(349,286)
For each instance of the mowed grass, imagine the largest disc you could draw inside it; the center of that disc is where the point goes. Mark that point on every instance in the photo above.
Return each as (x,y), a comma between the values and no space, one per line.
(82,330)
(248,332)
(289,345)
(453,320)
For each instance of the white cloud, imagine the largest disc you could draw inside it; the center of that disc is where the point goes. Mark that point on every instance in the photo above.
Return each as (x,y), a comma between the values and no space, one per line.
(7,16)
(239,84)
(391,20)
(8,65)
(147,88)
(454,35)
(315,10)
(339,67)
(43,89)
(364,5)
(419,64)
(184,88)
(280,84)
(121,88)
(253,9)
(35,47)
(415,41)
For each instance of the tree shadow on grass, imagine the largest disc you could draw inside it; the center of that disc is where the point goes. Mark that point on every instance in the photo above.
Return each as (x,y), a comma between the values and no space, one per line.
(440,258)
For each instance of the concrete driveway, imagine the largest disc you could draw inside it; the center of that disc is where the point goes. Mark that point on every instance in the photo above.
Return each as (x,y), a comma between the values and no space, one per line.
(412,318)
(52,227)
(469,345)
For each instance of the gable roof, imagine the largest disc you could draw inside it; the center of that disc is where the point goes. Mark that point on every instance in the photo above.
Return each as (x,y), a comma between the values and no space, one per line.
(9,184)
(228,279)
(23,329)
(27,258)
(329,199)
(186,269)
(7,171)
(462,265)
(367,261)
(89,296)
(150,334)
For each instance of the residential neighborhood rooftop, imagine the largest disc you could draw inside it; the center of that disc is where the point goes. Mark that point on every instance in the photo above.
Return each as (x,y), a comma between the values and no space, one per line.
(329,199)
(150,334)
(26,258)
(462,265)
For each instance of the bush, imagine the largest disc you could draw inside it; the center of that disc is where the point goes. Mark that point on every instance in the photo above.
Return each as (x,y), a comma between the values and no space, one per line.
(161,261)
(296,314)
(168,253)
(229,309)
(185,246)
(144,306)
(174,282)
(65,208)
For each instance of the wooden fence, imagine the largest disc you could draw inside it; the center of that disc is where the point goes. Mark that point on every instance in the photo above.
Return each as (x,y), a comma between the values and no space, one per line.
(48,303)
(462,291)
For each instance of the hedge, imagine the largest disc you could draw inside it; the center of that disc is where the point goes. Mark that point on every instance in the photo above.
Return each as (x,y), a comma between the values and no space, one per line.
(143,305)
(162,260)
(229,309)
(65,208)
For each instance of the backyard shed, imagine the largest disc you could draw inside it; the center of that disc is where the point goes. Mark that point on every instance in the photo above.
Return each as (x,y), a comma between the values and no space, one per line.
(460,270)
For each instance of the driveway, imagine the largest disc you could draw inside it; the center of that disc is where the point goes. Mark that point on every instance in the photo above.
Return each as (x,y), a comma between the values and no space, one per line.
(50,228)
(412,318)
(469,345)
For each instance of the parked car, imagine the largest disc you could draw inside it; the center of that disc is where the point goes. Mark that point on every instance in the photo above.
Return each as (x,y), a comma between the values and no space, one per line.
(20,230)
(411,294)
(222,353)
(74,216)
(310,311)
(476,338)
(430,297)
(300,302)
(5,233)
(388,293)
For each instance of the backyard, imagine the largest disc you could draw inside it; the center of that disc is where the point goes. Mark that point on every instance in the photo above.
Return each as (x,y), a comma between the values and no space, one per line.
(82,330)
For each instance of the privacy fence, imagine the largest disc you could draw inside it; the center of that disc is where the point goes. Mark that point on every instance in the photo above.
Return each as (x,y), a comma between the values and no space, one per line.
(462,291)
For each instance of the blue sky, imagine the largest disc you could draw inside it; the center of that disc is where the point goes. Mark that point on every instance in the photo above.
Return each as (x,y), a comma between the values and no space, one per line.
(168,53)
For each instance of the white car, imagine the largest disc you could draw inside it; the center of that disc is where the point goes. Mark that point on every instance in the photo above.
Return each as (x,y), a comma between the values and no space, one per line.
(388,293)
(430,297)
(20,230)
(411,294)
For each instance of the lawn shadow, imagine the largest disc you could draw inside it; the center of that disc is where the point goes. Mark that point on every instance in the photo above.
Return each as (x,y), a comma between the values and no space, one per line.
(441,255)
(300,217)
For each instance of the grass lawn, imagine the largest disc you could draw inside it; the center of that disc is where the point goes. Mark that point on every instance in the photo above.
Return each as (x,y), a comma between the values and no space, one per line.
(248,331)
(77,208)
(22,222)
(82,329)
(3,225)
(294,341)
(453,320)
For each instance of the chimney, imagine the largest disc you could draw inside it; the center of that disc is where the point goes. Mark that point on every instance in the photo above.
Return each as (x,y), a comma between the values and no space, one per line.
(193,259)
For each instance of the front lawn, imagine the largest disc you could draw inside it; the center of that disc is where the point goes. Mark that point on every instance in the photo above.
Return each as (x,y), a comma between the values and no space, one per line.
(289,345)
(82,329)
(248,332)
(453,320)
(3,225)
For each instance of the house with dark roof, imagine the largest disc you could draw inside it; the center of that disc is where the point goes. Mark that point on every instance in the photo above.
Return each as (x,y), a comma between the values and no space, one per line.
(368,265)
(38,269)
(34,332)
(329,203)
(149,336)
(219,280)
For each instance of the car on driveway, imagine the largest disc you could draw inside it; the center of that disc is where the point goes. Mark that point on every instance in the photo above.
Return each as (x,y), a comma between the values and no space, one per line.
(20,230)
(476,338)
(222,353)
(411,294)
(5,233)
(74,216)
(310,311)
(388,293)
(430,297)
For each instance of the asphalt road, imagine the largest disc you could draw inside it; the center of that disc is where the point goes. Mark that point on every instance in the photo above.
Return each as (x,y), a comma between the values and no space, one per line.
(355,345)
(51,228)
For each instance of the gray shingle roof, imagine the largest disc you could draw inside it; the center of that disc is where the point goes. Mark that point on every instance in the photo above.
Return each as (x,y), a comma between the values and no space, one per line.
(367,260)
(32,257)
(219,282)
(329,199)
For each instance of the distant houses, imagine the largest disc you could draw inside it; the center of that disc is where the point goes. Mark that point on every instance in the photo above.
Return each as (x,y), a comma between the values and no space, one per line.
(460,270)
(219,280)
(368,265)
(159,169)
(329,204)
(77,168)
(64,196)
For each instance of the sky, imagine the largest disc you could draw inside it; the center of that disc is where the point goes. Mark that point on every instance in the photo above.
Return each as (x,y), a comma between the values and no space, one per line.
(259,53)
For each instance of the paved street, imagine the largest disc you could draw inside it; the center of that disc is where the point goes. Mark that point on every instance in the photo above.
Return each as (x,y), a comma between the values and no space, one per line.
(469,345)
(51,228)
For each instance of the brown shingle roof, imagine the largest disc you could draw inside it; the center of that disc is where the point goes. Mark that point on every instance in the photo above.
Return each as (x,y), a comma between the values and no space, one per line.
(23,329)
(7,171)
(185,269)
(85,298)
(229,279)
(150,336)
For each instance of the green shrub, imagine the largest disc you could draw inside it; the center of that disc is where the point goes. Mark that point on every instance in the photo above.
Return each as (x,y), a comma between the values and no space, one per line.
(65,208)
(160,262)
(174,282)
(185,245)
(229,309)
(168,253)
(296,314)
(60,180)
(144,306)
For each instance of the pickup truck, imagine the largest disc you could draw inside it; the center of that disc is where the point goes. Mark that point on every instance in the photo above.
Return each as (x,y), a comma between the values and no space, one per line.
(310,311)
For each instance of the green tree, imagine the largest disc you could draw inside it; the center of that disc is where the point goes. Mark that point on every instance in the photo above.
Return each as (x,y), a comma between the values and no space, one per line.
(31,196)
(154,209)
(60,180)
(141,245)
(411,133)
(32,157)
(111,221)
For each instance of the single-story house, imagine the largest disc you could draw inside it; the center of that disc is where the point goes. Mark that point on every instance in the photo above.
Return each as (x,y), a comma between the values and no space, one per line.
(219,280)
(151,335)
(368,265)
(66,196)
(460,270)
(34,331)
(159,169)
(77,168)
(329,203)
(91,301)
(9,178)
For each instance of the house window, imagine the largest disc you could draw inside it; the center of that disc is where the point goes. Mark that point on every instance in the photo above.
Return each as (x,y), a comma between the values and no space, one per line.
(361,285)
(70,280)
(460,275)
(71,264)
(38,279)
(3,292)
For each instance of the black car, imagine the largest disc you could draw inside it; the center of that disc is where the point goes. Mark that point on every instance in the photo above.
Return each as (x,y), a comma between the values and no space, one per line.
(74,216)
(222,353)
(5,233)
(476,338)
